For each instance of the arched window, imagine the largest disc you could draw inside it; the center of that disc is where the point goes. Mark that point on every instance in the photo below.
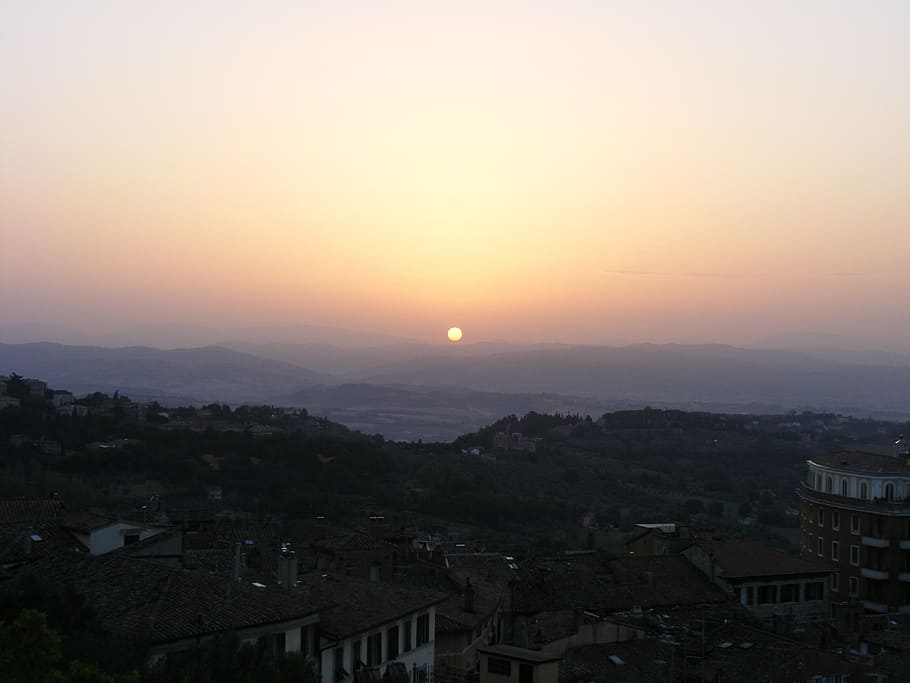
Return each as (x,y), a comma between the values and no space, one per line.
(818,482)
(889,491)
(843,487)
(829,485)
(864,491)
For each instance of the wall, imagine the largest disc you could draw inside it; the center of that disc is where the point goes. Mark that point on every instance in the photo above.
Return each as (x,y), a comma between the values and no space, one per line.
(422,657)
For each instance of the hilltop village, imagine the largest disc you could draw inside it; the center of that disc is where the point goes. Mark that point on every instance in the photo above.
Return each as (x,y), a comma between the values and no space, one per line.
(221,543)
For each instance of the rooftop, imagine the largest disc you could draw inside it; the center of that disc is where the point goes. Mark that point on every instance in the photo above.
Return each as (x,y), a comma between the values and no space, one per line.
(747,559)
(860,461)
(535,656)
(613,585)
(362,605)
(148,600)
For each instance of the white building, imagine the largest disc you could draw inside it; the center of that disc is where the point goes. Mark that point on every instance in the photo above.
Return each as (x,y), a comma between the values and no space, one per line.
(101,535)
(375,626)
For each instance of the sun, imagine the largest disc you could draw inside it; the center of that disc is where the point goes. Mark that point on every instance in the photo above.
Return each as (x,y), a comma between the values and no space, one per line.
(454,334)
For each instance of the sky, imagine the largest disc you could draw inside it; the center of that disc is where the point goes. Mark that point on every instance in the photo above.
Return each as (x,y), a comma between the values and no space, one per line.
(583,172)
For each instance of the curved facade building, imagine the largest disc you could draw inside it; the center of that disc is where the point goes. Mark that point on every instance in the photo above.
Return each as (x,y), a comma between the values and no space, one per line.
(855,514)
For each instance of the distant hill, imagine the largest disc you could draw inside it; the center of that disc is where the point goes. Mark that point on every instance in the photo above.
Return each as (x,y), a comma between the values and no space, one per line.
(209,373)
(674,374)
(424,391)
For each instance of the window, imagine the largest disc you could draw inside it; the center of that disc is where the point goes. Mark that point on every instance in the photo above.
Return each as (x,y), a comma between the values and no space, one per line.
(525,673)
(844,486)
(821,516)
(835,520)
(374,649)
(356,655)
(854,524)
(821,546)
(406,643)
(749,597)
(499,667)
(129,539)
(835,581)
(854,586)
(864,490)
(423,629)
(767,595)
(829,485)
(835,551)
(789,592)
(889,491)
(339,673)
(279,641)
(854,555)
(818,482)
(392,641)
(815,590)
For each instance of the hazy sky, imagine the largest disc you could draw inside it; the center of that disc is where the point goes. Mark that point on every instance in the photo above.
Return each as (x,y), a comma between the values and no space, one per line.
(533,171)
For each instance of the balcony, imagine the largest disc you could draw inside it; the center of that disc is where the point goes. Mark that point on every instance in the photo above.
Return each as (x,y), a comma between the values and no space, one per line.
(875,606)
(903,609)
(874,542)
(882,507)
(905,544)
(877,574)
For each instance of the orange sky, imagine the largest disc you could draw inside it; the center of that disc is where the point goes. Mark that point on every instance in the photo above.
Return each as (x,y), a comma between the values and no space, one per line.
(589,172)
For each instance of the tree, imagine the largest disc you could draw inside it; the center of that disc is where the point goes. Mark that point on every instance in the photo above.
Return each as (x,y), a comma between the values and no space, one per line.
(716,509)
(29,650)
(694,506)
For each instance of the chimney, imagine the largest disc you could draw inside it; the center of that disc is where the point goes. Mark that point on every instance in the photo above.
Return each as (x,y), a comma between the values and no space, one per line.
(377,526)
(291,568)
(235,574)
(468,596)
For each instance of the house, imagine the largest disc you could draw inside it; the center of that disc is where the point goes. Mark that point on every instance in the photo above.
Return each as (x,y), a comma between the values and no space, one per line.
(35,386)
(508,664)
(374,629)
(173,610)
(662,538)
(29,529)
(771,584)
(357,554)
(8,402)
(62,399)
(100,534)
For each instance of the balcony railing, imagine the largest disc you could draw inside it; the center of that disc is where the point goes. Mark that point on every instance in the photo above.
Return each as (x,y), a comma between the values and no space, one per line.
(879,506)
(905,544)
(877,574)
(875,542)
(904,576)
(875,606)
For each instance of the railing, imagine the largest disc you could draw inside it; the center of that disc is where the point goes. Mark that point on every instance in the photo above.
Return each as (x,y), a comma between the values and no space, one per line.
(905,544)
(877,574)
(904,576)
(875,606)
(453,674)
(881,506)
(875,542)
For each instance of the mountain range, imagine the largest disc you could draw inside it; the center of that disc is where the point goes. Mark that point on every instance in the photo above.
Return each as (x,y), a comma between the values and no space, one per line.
(410,390)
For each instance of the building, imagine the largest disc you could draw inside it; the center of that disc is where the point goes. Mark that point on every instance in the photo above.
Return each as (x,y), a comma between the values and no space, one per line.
(101,535)
(35,386)
(508,664)
(769,583)
(8,402)
(855,515)
(666,538)
(375,629)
